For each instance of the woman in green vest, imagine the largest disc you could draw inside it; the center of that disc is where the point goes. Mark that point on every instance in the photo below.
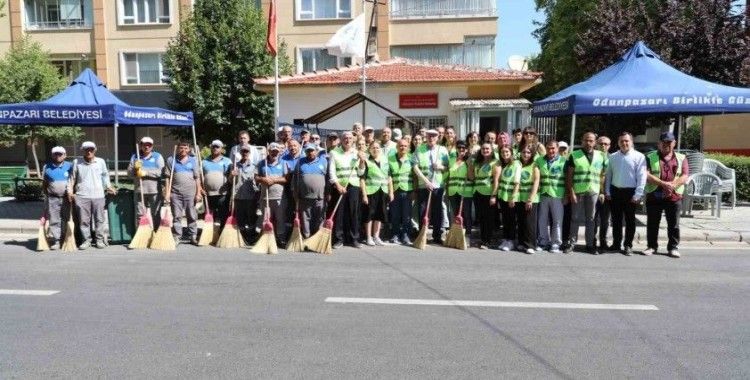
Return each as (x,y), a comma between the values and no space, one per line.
(459,187)
(528,200)
(505,186)
(378,192)
(481,171)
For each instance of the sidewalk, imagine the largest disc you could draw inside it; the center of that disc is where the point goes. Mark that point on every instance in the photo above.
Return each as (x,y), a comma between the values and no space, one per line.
(22,218)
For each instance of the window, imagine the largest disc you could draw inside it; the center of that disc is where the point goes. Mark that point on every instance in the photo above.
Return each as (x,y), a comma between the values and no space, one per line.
(405,9)
(428,122)
(143,68)
(476,51)
(136,12)
(323,9)
(57,14)
(70,68)
(313,59)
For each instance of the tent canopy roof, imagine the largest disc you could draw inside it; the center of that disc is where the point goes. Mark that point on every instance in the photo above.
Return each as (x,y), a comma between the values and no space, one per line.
(640,82)
(88,102)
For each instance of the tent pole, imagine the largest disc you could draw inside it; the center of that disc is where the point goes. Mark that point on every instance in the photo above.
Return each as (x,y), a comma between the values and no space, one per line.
(195,140)
(680,120)
(117,173)
(573,132)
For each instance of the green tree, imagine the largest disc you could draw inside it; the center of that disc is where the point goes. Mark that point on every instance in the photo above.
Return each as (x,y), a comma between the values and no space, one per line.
(26,75)
(220,48)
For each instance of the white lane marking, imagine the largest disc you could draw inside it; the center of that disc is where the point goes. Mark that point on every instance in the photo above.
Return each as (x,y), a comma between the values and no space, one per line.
(19,292)
(530,305)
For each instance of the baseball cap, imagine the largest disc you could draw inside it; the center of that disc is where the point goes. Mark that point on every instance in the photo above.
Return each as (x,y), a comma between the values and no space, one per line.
(304,131)
(562,144)
(217,143)
(310,147)
(432,132)
(397,134)
(88,144)
(667,136)
(147,140)
(58,149)
(333,135)
(369,128)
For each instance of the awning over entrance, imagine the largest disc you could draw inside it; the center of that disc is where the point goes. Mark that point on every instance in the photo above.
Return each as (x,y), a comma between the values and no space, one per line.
(347,103)
(490,103)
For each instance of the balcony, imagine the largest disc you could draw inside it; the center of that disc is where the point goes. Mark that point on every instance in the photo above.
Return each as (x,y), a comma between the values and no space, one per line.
(57,14)
(420,9)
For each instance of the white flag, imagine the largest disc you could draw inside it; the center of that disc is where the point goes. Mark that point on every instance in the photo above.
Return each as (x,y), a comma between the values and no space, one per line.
(349,41)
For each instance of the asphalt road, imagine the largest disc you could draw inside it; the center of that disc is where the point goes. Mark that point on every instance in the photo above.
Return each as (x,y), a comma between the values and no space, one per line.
(210,313)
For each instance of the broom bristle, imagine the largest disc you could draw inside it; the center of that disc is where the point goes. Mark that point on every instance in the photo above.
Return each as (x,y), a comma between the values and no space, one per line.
(266,244)
(69,245)
(321,241)
(421,241)
(230,236)
(456,238)
(295,243)
(143,234)
(207,234)
(163,239)
(41,237)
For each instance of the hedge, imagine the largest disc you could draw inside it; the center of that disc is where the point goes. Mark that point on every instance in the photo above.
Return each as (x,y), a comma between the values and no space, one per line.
(741,166)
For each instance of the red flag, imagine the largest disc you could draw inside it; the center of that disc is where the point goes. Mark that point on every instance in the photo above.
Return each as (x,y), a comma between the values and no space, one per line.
(271,40)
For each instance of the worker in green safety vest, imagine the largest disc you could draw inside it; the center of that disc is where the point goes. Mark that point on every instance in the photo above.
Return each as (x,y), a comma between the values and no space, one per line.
(404,183)
(528,201)
(482,171)
(552,191)
(506,187)
(345,167)
(459,188)
(585,171)
(430,162)
(665,184)
(378,192)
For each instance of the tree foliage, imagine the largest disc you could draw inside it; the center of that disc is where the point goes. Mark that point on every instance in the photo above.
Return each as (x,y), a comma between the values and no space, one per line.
(26,75)
(704,38)
(211,62)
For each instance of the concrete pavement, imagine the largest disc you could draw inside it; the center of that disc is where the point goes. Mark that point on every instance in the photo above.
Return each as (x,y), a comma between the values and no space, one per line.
(205,312)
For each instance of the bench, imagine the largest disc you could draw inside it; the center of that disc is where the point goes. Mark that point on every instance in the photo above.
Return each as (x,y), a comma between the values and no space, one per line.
(8,175)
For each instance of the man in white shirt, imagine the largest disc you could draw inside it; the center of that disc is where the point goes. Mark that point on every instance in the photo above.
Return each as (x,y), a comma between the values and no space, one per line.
(625,183)
(243,137)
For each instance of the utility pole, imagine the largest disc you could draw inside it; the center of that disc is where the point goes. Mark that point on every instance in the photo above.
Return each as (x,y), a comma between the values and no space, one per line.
(373,14)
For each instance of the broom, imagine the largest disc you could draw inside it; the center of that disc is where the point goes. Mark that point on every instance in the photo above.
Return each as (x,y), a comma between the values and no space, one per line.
(163,239)
(145,231)
(230,236)
(267,241)
(295,243)
(456,238)
(421,241)
(69,245)
(41,236)
(207,234)
(321,241)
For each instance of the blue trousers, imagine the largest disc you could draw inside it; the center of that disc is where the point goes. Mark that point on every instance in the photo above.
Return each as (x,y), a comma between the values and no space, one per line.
(400,214)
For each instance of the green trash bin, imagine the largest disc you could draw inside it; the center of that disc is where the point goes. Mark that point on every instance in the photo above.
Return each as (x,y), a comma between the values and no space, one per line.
(121,212)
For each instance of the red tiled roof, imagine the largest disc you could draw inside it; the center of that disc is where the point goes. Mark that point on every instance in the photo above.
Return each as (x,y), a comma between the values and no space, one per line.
(401,71)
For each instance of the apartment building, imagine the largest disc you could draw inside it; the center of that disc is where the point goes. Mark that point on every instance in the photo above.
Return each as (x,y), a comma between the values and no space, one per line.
(121,40)
(449,32)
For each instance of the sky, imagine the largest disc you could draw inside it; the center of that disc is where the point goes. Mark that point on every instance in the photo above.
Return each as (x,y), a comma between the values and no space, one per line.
(516,22)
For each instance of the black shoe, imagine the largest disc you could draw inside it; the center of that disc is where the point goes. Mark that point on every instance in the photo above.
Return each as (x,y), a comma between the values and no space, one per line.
(591,250)
(438,241)
(567,248)
(337,245)
(602,250)
(357,245)
(628,251)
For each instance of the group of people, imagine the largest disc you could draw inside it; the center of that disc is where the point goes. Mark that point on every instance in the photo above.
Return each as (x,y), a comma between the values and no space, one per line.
(518,192)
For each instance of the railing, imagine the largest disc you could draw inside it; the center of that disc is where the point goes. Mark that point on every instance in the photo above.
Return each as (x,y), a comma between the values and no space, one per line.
(62,24)
(407,9)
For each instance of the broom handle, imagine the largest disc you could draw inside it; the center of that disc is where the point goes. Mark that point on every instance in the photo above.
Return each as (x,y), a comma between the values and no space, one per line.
(171,174)
(140,180)
(461,207)
(234,188)
(202,178)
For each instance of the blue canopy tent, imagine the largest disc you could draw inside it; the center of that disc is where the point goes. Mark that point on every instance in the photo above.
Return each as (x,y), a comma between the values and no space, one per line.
(88,102)
(641,83)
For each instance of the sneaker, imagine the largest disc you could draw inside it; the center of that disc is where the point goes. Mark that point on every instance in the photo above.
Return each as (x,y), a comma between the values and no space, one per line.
(539,249)
(628,251)
(377,240)
(674,253)
(101,245)
(357,245)
(505,247)
(55,246)
(337,245)
(85,245)
(482,246)
(554,249)
(648,251)
(406,241)
(530,251)
(370,242)
(568,248)
(395,240)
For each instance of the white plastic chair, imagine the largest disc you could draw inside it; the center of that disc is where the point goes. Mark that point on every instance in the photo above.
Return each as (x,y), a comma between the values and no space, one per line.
(704,188)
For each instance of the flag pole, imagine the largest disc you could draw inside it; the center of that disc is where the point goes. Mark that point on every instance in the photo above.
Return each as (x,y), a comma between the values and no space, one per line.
(364,73)
(276,108)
